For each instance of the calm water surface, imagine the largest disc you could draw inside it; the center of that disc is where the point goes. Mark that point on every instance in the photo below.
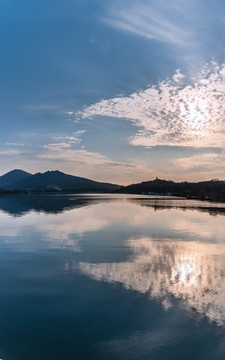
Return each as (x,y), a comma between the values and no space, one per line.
(111,277)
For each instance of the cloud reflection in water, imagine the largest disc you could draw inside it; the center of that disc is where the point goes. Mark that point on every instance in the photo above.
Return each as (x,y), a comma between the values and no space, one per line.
(190,271)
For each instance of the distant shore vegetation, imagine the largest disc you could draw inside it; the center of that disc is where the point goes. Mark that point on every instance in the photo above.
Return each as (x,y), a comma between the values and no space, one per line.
(21,182)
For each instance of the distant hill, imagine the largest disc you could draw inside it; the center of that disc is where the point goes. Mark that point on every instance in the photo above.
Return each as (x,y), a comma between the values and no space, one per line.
(12,177)
(56,181)
(212,189)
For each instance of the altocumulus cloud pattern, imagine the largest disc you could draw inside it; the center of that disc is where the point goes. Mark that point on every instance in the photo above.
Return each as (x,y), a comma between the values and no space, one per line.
(179,111)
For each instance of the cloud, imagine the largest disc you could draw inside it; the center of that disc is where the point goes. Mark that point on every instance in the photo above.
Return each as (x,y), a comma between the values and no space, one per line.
(99,167)
(57,146)
(66,141)
(80,156)
(43,107)
(155,20)
(10,152)
(177,77)
(14,144)
(180,111)
(73,138)
(201,165)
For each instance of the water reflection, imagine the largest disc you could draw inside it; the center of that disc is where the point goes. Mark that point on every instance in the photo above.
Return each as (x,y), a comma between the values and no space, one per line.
(55,230)
(181,259)
(60,221)
(20,205)
(192,272)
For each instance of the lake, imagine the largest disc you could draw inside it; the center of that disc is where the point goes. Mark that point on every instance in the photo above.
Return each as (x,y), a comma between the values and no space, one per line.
(111,277)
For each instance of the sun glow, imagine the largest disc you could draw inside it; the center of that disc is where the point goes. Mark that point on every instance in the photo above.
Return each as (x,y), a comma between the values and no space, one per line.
(178,111)
(197,117)
(185,272)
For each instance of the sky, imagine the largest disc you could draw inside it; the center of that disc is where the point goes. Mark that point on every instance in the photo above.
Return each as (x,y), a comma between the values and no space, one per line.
(117,91)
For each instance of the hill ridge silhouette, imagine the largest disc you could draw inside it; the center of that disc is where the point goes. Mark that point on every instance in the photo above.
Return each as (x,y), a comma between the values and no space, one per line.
(51,180)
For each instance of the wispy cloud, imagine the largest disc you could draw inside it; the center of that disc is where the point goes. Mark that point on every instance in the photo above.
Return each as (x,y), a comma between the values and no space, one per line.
(14,144)
(43,107)
(178,111)
(78,156)
(201,165)
(158,20)
(83,163)
(66,141)
(72,139)
(57,146)
(10,152)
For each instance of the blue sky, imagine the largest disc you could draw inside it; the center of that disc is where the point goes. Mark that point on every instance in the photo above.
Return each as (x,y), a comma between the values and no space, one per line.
(119,91)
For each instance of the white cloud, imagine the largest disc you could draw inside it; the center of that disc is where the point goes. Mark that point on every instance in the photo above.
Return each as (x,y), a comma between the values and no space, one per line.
(10,152)
(14,144)
(69,139)
(57,146)
(66,141)
(78,156)
(79,132)
(178,76)
(155,20)
(172,113)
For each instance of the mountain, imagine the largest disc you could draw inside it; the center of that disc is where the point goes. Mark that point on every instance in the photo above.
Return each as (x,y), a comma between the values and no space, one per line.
(156,186)
(12,177)
(212,189)
(56,180)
